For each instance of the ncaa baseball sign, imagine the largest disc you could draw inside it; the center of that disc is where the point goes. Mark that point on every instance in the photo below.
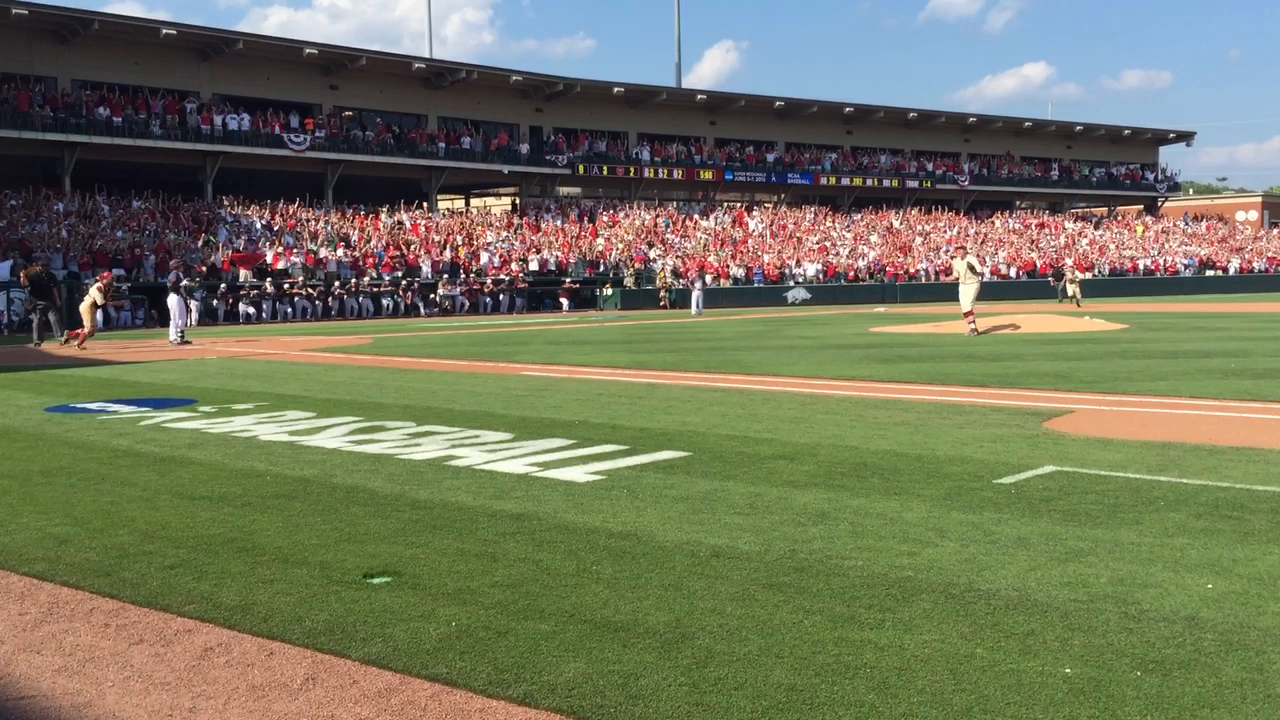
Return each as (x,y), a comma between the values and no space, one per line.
(129,405)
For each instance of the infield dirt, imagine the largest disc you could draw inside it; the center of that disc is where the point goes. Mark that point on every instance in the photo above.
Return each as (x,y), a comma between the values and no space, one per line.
(1031,324)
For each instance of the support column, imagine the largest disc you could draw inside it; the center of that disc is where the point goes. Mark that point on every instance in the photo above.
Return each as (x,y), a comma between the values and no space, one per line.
(431,186)
(527,183)
(212,163)
(332,171)
(70,154)
(466,199)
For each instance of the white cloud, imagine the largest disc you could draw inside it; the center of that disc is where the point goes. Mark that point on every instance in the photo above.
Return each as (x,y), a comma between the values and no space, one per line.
(1034,79)
(570,46)
(716,65)
(1066,91)
(463,29)
(1264,154)
(135,9)
(1000,15)
(1139,80)
(951,10)
(1233,54)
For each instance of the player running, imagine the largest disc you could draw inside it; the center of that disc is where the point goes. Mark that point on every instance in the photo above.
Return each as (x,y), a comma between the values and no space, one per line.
(967,272)
(94,300)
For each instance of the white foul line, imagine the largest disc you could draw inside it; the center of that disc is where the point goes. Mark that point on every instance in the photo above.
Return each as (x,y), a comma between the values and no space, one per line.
(896,396)
(1047,469)
(1027,475)
(716,380)
(886,385)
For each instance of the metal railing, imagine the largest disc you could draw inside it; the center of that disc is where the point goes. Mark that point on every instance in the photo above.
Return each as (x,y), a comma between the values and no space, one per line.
(415,147)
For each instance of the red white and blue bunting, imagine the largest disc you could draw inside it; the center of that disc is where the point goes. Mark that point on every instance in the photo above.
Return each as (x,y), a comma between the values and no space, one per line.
(297,142)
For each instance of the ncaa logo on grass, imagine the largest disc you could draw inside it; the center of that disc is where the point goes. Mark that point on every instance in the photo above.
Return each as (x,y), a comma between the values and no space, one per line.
(130,405)
(492,450)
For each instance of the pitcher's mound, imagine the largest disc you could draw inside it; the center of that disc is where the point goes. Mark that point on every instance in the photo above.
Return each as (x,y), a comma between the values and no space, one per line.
(1035,324)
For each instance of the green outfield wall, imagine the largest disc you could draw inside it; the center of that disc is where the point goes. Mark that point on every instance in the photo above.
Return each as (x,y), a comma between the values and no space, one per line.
(906,293)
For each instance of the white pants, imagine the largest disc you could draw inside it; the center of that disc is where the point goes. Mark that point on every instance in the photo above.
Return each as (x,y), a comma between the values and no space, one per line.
(695,304)
(177,317)
(193,312)
(284,311)
(388,305)
(564,304)
(303,306)
(366,307)
(266,310)
(504,300)
(249,311)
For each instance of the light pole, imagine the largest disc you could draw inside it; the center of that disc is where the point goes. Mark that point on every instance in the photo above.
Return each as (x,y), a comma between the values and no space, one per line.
(431,53)
(679,73)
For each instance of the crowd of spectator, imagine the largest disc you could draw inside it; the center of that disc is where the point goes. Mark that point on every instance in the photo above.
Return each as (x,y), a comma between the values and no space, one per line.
(239,240)
(142,112)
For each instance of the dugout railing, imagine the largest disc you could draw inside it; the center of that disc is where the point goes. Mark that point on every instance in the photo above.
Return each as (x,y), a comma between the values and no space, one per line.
(593,293)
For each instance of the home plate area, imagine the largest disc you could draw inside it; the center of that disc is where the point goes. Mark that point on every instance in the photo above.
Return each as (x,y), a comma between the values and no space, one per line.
(1036,324)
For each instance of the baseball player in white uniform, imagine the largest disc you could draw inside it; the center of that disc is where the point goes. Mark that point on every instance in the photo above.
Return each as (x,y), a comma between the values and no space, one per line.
(177,302)
(967,271)
(695,293)
(195,300)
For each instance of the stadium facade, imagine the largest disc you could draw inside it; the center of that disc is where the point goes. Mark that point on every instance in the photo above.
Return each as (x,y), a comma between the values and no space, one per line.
(74,50)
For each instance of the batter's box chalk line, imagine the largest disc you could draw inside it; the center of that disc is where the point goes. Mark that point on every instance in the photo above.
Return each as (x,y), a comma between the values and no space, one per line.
(1049,469)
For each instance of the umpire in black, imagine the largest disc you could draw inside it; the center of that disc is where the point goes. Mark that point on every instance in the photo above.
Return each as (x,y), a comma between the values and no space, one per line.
(1058,278)
(42,301)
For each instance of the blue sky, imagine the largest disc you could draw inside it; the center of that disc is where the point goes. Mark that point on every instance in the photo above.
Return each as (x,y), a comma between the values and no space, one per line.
(1112,61)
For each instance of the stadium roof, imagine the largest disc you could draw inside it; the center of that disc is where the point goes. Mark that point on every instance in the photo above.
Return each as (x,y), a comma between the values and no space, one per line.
(69,24)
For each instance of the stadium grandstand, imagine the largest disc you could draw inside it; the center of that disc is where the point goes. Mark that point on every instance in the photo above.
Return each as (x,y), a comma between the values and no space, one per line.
(97,100)
(130,142)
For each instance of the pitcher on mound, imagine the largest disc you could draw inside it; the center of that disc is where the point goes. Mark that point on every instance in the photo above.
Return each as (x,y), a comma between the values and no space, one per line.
(967,272)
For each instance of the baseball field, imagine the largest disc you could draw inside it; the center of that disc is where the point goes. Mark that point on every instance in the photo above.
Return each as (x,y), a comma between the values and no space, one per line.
(791,514)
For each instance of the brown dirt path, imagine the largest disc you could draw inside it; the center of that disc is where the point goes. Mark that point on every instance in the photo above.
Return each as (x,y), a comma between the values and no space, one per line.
(1028,324)
(69,655)
(1165,419)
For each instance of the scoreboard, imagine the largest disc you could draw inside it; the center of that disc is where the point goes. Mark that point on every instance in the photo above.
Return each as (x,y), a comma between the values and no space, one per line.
(715,175)
(649,172)
(893,183)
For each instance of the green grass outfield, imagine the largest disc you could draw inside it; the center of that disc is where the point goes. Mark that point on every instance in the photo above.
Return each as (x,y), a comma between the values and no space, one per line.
(1203,355)
(812,558)
(541,320)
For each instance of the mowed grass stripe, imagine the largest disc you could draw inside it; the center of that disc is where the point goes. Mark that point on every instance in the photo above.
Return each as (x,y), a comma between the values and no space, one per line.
(814,558)
(1199,356)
